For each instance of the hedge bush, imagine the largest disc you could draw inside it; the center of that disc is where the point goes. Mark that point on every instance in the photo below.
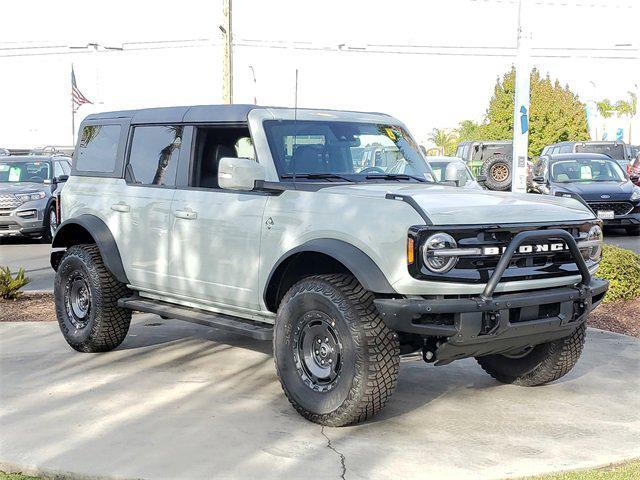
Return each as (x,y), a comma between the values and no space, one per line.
(622,268)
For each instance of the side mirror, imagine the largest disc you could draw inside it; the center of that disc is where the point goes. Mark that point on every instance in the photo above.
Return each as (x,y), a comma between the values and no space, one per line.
(61,179)
(539,179)
(634,178)
(456,172)
(239,173)
(481,178)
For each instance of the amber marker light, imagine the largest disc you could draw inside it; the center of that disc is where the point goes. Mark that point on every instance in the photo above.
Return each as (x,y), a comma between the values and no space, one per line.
(410,251)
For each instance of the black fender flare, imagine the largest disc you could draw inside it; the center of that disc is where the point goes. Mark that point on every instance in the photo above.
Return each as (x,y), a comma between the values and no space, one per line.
(359,263)
(70,232)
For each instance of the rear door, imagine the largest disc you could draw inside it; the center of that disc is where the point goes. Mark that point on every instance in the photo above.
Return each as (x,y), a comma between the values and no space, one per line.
(143,206)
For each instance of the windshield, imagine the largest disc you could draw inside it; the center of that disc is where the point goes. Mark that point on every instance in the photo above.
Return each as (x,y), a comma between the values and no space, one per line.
(586,170)
(440,168)
(614,150)
(345,151)
(13,172)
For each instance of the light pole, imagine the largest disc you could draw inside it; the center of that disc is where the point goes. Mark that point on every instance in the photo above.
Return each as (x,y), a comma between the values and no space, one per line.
(521,105)
(227,63)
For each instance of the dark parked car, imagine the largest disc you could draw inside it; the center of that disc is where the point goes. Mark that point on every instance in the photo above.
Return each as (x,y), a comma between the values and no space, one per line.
(29,185)
(595,178)
(616,150)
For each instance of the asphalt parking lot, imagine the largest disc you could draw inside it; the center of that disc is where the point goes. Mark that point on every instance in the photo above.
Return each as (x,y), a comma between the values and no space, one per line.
(34,256)
(182,401)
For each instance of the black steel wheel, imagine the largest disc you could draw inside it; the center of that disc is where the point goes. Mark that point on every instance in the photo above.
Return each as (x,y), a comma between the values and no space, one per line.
(336,359)
(86,296)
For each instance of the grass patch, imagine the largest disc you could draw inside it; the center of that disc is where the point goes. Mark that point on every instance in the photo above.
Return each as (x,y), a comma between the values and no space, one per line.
(16,476)
(625,471)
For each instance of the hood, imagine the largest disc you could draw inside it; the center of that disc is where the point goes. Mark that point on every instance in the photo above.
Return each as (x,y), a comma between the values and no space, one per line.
(460,206)
(23,187)
(593,191)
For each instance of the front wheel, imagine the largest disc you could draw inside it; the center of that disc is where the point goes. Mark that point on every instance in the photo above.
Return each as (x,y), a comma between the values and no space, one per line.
(538,365)
(86,296)
(50,224)
(336,359)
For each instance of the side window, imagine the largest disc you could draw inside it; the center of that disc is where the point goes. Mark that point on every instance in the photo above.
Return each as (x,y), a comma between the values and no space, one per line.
(98,148)
(565,149)
(213,144)
(57,169)
(66,167)
(153,157)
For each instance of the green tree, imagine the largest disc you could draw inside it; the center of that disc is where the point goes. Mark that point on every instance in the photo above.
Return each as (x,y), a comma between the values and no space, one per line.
(628,108)
(605,109)
(443,139)
(470,130)
(555,113)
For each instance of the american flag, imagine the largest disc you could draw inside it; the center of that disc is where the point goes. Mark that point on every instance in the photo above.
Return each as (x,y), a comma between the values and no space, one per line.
(77,98)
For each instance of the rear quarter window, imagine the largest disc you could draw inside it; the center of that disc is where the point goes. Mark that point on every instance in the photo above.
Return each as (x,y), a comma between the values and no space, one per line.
(98,148)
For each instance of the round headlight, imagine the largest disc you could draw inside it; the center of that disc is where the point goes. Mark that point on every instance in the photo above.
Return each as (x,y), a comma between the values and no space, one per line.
(439,263)
(595,251)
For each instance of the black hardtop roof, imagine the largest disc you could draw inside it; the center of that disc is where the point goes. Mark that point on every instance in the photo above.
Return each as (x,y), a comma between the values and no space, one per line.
(194,113)
(588,142)
(489,142)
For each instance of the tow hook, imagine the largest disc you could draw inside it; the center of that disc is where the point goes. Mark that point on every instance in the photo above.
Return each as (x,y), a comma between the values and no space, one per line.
(429,349)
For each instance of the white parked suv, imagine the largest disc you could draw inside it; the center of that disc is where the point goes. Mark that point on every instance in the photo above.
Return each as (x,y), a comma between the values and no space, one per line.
(266,222)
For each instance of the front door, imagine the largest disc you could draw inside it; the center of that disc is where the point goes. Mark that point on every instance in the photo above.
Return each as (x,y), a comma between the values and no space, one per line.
(215,239)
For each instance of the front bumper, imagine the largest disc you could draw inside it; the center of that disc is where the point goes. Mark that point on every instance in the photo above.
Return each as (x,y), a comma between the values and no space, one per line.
(472,327)
(487,323)
(623,220)
(13,225)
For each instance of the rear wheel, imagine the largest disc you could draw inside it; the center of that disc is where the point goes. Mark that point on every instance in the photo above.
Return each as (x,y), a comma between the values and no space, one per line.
(336,359)
(86,296)
(537,365)
(497,169)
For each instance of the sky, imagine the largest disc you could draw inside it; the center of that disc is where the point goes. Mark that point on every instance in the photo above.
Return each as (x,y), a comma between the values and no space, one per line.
(430,63)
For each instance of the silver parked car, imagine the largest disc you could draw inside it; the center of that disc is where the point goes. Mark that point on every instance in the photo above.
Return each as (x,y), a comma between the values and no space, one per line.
(29,186)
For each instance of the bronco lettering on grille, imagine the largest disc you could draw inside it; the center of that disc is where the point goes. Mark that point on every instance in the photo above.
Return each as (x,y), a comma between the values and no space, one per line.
(525,249)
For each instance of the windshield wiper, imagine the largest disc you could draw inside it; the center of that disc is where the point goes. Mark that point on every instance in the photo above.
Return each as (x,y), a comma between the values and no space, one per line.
(396,176)
(319,176)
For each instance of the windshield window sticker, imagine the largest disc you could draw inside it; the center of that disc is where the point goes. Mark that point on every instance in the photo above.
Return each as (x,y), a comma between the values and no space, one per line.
(14,174)
(390,134)
(585,172)
(4,168)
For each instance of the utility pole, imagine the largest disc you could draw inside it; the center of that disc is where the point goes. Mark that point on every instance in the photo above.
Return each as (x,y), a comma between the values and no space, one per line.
(227,67)
(521,104)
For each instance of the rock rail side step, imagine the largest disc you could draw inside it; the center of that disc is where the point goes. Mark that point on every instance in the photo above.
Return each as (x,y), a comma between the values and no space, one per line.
(248,328)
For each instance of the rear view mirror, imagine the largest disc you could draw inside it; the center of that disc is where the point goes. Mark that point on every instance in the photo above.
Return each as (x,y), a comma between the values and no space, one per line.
(239,173)
(456,172)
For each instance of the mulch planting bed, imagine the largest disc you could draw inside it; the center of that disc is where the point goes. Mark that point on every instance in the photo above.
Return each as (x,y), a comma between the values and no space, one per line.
(620,317)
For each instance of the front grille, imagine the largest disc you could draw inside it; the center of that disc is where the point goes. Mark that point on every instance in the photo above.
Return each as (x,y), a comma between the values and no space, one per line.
(9,226)
(479,268)
(618,208)
(9,201)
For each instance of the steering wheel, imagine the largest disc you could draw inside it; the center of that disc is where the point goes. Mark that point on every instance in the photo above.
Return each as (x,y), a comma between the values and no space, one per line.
(371,170)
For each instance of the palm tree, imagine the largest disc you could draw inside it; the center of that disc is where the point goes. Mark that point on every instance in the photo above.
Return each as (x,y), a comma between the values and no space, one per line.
(628,108)
(165,154)
(442,139)
(605,109)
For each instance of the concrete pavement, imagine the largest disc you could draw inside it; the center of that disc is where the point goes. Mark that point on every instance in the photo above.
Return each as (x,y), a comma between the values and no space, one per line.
(619,238)
(182,401)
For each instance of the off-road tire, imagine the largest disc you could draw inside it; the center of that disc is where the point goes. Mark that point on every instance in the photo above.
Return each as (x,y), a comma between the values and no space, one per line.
(543,364)
(633,231)
(494,164)
(47,236)
(371,352)
(106,324)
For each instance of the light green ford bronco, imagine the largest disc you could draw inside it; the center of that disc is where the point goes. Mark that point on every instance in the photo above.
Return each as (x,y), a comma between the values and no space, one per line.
(269,222)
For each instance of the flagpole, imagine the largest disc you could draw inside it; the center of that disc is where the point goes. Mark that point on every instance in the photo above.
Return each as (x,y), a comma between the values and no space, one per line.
(73,113)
